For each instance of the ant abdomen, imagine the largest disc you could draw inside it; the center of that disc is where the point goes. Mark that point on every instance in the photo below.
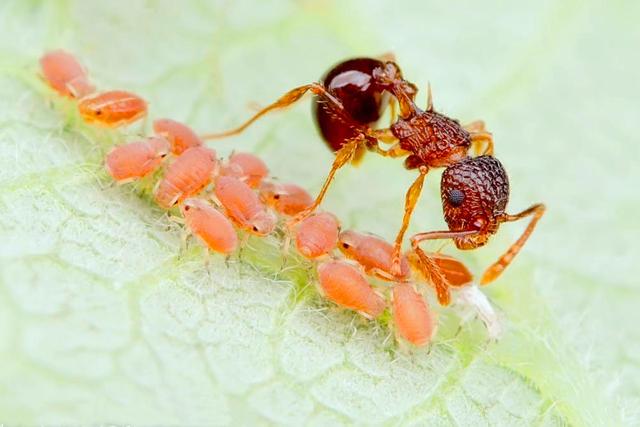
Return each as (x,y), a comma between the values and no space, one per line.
(352,83)
(474,192)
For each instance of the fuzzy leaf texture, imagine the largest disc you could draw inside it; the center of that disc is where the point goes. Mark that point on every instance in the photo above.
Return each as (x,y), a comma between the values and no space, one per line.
(104,319)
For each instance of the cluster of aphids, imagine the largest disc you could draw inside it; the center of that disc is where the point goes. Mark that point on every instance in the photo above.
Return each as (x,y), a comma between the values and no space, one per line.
(218,197)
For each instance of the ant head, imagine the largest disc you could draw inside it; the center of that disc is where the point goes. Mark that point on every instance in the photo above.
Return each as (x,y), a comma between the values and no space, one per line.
(474,192)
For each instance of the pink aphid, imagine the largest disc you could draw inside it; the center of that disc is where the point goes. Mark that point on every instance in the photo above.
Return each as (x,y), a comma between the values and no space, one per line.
(211,226)
(286,199)
(113,108)
(373,253)
(179,135)
(187,175)
(65,74)
(243,206)
(317,235)
(246,166)
(412,317)
(136,159)
(343,284)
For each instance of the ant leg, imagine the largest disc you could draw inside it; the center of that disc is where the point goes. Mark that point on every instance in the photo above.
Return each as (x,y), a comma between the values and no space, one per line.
(428,266)
(495,269)
(383,135)
(393,111)
(475,126)
(411,198)
(394,152)
(343,155)
(482,139)
(284,101)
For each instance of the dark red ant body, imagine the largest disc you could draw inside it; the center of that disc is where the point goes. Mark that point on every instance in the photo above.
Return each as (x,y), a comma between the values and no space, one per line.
(475,190)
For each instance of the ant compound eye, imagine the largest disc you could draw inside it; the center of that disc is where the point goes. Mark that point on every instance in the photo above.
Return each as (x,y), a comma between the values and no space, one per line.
(456,197)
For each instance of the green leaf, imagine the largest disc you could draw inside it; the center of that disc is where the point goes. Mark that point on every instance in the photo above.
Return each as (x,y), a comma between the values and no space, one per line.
(104,319)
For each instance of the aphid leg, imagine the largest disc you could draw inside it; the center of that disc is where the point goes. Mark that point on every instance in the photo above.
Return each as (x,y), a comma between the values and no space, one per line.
(284,101)
(411,198)
(475,126)
(343,155)
(429,267)
(493,271)
(482,142)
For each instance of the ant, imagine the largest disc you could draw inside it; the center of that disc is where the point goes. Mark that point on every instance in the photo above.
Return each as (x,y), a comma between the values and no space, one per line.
(350,100)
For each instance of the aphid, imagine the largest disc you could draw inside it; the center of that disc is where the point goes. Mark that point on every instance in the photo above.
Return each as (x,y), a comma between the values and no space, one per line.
(412,317)
(374,254)
(136,159)
(243,206)
(179,135)
(65,74)
(211,226)
(246,166)
(187,175)
(441,271)
(346,286)
(474,193)
(286,199)
(351,97)
(317,235)
(113,108)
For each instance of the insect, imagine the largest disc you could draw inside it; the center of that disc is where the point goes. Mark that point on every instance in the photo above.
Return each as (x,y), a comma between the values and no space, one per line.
(65,74)
(136,159)
(412,317)
(179,135)
(345,285)
(351,97)
(187,175)
(243,206)
(374,254)
(317,235)
(474,193)
(247,167)
(286,199)
(211,226)
(113,108)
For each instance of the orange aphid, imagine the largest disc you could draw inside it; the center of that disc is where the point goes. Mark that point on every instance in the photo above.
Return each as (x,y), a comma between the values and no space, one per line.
(113,108)
(317,235)
(179,135)
(136,159)
(246,166)
(412,317)
(287,199)
(65,74)
(346,286)
(243,206)
(187,175)
(211,226)
(442,272)
(373,253)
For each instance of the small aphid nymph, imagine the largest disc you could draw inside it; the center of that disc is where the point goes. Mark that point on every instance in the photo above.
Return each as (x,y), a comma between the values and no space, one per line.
(179,135)
(211,226)
(373,253)
(65,74)
(112,109)
(136,159)
(246,166)
(286,199)
(317,235)
(412,317)
(187,175)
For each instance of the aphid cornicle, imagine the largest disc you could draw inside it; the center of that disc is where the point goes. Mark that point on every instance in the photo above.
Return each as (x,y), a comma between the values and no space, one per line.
(136,159)
(317,235)
(187,175)
(211,226)
(346,286)
(243,206)
(113,108)
(65,74)
(179,135)
(286,199)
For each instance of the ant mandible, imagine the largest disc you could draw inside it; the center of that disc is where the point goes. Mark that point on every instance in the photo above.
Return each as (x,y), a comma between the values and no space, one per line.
(350,100)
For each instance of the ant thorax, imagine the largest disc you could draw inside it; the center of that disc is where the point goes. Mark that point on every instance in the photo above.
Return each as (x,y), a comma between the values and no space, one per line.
(434,138)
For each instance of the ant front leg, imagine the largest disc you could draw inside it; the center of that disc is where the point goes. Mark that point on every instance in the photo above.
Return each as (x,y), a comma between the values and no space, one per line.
(480,138)
(284,101)
(411,199)
(493,271)
(428,265)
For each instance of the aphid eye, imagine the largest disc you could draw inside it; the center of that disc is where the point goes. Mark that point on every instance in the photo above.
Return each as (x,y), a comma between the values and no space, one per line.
(163,155)
(276,196)
(255,228)
(456,197)
(345,245)
(187,207)
(98,112)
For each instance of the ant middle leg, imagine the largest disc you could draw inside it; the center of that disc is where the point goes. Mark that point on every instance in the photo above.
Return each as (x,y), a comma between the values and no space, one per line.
(481,139)
(495,269)
(284,101)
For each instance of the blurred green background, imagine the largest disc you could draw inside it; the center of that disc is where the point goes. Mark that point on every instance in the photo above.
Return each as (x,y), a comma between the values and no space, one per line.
(101,320)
